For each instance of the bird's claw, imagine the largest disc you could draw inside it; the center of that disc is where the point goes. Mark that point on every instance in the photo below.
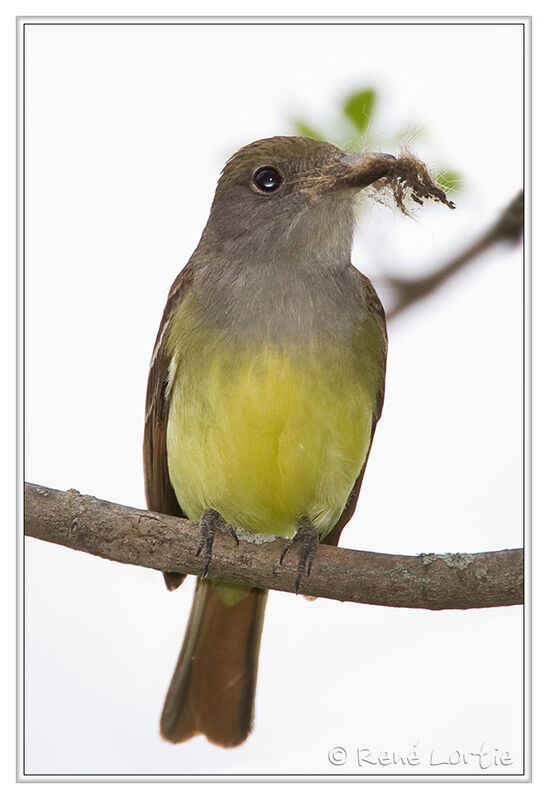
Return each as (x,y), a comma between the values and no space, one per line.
(309,538)
(211,522)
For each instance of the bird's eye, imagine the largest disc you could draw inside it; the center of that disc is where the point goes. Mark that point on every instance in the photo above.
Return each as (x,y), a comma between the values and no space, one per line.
(267,179)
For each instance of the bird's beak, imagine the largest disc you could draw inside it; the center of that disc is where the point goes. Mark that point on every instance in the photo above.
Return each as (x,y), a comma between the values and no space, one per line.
(358,170)
(405,176)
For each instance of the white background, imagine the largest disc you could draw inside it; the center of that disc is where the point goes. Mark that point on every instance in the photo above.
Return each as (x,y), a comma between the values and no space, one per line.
(127,129)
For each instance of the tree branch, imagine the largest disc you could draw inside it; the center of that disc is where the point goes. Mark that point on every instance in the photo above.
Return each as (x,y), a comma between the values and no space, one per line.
(509,227)
(156,541)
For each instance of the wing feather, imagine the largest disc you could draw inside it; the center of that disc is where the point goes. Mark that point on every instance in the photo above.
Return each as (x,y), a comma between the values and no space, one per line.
(159,492)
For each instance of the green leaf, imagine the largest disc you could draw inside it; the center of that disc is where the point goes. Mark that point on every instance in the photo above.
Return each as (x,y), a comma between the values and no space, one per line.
(302,128)
(359,107)
(449,180)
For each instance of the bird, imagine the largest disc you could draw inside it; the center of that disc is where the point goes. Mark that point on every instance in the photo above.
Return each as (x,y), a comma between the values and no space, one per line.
(265,388)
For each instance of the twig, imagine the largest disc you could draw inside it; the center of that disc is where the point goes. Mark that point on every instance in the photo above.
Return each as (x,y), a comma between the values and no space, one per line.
(156,541)
(509,227)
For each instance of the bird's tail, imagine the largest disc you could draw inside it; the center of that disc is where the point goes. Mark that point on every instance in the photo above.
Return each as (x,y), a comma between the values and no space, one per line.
(213,688)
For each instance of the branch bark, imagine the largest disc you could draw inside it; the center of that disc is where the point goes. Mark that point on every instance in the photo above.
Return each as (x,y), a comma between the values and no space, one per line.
(165,543)
(509,227)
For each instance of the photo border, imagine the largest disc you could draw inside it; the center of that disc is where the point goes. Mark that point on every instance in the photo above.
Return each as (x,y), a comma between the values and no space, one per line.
(21,23)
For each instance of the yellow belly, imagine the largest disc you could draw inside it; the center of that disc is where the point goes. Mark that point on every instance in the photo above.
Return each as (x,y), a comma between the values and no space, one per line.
(266,438)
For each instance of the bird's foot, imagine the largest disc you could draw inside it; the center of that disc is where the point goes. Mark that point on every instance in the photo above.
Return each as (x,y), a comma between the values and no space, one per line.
(210,523)
(309,538)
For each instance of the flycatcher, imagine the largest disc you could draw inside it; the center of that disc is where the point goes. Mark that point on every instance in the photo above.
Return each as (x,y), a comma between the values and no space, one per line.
(265,387)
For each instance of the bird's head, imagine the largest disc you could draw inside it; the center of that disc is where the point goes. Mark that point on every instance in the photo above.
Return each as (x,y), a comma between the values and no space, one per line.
(288,196)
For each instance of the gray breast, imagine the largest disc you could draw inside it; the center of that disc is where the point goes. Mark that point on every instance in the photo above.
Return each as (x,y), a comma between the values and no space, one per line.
(281,301)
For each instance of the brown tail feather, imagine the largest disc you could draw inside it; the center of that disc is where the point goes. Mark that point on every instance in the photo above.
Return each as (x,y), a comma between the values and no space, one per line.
(213,688)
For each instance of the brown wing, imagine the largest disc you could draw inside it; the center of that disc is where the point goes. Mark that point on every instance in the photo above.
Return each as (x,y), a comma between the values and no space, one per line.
(374,306)
(159,492)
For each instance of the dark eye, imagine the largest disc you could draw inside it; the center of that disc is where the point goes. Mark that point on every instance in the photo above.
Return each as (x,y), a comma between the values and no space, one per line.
(267,179)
